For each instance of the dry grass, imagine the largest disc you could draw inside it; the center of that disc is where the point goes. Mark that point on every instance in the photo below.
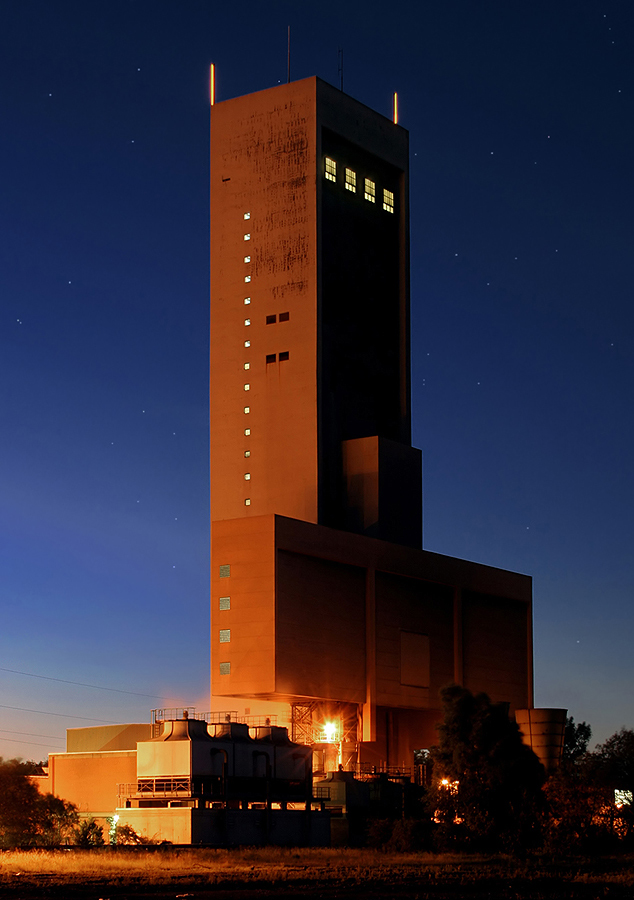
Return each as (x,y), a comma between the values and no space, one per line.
(434,875)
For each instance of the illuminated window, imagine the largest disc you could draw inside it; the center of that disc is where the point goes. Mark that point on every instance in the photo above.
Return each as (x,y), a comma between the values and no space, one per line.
(270,358)
(247,215)
(388,201)
(247,387)
(331,169)
(284,317)
(351,180)
(225,635)
(247,321)
(247,410)
(225,668)
(225,571)
(271,320)
(247,343)
(247,259)
(247,431)
(247,476)
(225,603)
(247,278)
(370,191)
(247,502)
(247,301)
(247,453)
(247,365)
(247,237)
(284,356)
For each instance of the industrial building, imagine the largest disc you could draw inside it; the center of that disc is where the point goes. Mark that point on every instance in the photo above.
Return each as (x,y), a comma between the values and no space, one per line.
(332,629)
(325,609)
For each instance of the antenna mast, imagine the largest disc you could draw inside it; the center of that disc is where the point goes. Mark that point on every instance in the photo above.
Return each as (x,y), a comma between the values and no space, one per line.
(340,67)
(288,57)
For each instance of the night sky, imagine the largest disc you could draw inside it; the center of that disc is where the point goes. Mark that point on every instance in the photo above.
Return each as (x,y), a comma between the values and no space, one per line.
(521,121)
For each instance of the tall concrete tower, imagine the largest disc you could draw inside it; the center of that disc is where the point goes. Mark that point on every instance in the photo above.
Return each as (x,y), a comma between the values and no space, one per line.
(321,593)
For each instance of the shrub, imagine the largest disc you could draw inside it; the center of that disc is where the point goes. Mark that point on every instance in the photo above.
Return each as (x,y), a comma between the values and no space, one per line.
(89,835)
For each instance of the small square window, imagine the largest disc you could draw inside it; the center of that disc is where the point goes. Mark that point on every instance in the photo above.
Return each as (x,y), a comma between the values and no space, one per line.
(247,321)
(370,191)
(247,387)
(351,180)
(247,453)
(247,301)
(331,169)
(247,502)
(247,237)
(225,668)
(225,603)
(225,635)
(270,358)
(388,201)
(247,259)
(284,356)
(225,571)
(271,320)
(247,278)
(247,365)
(284,317)
(247,343)
(247,215)
(247,410)
(247,432)
(247,476)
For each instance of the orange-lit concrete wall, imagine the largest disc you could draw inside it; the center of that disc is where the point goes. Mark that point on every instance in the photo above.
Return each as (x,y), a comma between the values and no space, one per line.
(247,546)
(263,164)
(315,639)
(494,631)
(106,737)
(90,779)
(173,825)
(320,628)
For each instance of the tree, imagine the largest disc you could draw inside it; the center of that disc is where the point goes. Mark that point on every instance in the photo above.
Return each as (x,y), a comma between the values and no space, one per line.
(27,817)
(576,740)
(19,805)
(488,783)
(58,821)
(584,813)
(613,761)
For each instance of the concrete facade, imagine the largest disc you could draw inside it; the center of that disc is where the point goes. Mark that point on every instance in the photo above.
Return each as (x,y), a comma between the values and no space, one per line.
(323,603)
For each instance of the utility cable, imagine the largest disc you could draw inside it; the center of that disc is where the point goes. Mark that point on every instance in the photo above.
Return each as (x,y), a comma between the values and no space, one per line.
(31,744)
(45,712)
(95,687)
(53,737)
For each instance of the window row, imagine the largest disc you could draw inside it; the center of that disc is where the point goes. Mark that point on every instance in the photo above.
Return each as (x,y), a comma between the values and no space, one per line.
(270,320)
(350,183)
(284,355)
(225,602)
(283,317)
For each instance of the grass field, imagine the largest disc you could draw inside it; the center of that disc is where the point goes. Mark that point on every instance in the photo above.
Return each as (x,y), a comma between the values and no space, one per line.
(315,873)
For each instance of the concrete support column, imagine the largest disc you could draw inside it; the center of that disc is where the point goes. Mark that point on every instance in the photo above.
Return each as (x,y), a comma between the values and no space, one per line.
(369,707)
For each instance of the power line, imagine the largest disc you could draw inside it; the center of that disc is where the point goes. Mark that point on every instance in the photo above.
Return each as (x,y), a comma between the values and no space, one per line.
(95,687)
(30,743)
(45,712)
(53,737)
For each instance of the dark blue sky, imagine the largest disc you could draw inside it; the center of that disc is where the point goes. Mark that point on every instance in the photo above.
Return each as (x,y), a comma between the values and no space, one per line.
(521,130)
